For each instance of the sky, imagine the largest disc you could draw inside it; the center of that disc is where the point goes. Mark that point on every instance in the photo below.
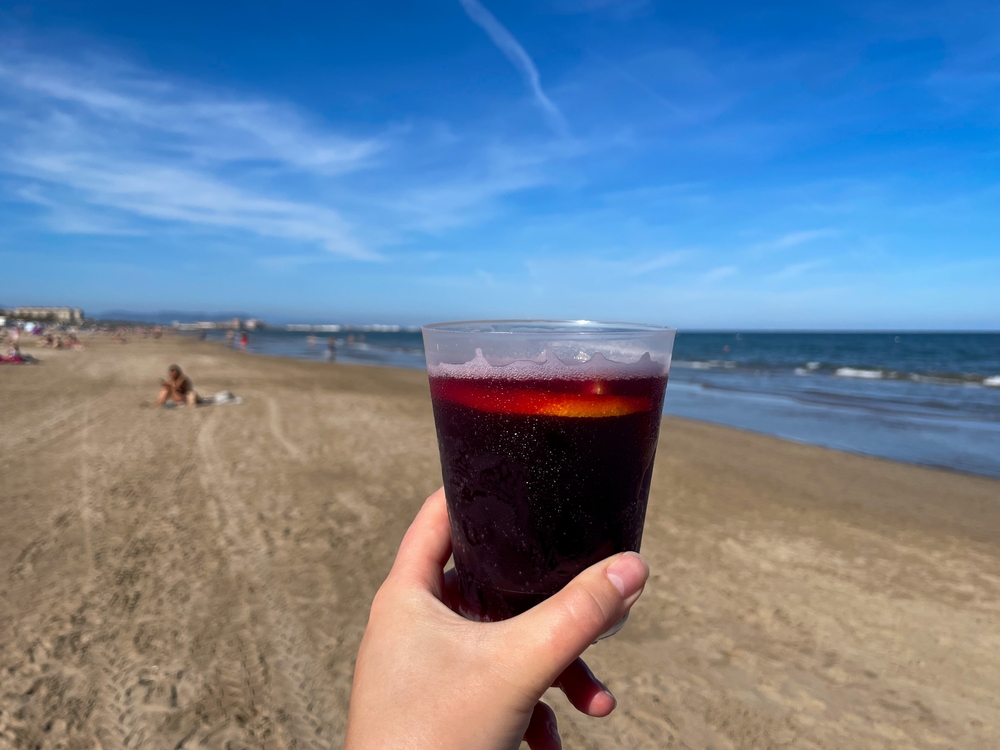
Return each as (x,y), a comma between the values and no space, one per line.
(704,165)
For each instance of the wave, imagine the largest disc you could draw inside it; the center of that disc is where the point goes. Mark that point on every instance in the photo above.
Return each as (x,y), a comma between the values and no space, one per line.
(712,364)
(857,372)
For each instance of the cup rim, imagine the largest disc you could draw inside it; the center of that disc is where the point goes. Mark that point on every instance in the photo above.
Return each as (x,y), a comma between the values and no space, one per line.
(545,327)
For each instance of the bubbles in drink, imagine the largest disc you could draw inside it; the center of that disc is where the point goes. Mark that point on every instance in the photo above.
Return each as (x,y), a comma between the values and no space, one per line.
(547,467)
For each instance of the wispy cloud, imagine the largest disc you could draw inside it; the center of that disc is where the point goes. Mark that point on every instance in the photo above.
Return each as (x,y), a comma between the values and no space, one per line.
(103,147)
(206,125)
(794,270)
(722,272)
(664,260)
(508,44)
(794,239)
(103,136)
(182,195)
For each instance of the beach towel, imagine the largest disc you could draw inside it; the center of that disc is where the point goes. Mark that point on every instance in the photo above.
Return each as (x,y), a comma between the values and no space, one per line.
(222,397)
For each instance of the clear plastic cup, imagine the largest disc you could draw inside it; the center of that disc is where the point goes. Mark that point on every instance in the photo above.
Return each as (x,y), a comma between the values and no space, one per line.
(547,432)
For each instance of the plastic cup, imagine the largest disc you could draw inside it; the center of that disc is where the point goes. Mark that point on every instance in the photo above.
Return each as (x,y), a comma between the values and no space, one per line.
(547,432)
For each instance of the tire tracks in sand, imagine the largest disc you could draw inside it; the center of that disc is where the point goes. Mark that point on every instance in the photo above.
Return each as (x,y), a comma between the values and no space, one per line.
(277,641)
(274,422)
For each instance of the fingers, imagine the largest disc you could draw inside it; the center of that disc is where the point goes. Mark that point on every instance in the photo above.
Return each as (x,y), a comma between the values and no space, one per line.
(550,636)
(587,694)
(426,546)
(542,732)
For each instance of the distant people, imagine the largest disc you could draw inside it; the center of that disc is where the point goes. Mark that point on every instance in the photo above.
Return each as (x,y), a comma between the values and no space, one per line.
(331,348)
(310,341)
(14,356)
(202,334)
(244,340)
(178,388)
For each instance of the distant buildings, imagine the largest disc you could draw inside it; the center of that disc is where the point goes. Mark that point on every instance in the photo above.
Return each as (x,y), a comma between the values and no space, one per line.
(68,315)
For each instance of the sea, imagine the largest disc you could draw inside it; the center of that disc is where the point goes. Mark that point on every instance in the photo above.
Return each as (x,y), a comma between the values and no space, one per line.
(923,398)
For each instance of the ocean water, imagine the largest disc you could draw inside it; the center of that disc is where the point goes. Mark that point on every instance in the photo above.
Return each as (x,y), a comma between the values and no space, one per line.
(924,398)
(397,347)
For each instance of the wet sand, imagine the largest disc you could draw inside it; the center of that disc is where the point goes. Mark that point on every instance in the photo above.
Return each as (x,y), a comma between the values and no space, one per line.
(200,577)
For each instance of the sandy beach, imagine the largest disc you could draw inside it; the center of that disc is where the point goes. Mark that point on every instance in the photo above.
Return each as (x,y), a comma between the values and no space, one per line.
(201,577)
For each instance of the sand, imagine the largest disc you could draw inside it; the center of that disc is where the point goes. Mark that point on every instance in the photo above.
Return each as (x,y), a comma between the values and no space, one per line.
(200,577)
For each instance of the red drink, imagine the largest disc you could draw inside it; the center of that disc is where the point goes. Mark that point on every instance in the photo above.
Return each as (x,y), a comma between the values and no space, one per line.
(544,475)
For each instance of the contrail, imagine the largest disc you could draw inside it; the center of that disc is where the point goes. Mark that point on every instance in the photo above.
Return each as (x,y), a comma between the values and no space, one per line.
(516,54)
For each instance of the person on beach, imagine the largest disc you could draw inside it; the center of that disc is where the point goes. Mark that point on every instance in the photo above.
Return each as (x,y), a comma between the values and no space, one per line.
(426,677)
(244,340)
(331,348)
(177,387)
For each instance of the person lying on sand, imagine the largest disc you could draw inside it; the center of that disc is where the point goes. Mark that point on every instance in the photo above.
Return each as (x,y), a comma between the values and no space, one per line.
(177,387)
(14,356)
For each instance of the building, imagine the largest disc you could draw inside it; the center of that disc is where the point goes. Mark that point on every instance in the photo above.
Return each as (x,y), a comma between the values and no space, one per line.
(69,315)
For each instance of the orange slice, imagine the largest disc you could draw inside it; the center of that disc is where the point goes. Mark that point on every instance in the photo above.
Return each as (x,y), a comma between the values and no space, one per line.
(541,403)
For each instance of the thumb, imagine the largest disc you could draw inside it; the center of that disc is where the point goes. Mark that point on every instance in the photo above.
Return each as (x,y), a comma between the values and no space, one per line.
(551,635)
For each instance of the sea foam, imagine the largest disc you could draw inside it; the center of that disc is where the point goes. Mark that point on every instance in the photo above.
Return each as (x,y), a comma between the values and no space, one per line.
(854,372)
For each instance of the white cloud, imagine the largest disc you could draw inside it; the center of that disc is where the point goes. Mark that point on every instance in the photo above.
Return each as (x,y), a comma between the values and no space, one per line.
(101,147)
(207,125)
(794,270)
(664,260)
(520,59)
(107,137)
(794,239)
(170,194)
(722,272)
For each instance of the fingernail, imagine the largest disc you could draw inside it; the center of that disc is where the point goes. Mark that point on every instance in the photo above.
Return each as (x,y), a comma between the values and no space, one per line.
(628,573)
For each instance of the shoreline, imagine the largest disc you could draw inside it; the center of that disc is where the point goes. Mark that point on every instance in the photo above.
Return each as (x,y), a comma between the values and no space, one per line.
(796,430)
(206,573)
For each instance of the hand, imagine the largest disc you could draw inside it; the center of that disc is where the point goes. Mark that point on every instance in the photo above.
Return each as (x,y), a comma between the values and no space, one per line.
(427,678)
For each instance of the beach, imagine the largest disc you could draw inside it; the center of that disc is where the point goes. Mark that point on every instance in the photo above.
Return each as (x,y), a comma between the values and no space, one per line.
(200,577)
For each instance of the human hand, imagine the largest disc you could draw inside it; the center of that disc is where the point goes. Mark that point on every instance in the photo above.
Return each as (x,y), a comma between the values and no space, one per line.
(427,678)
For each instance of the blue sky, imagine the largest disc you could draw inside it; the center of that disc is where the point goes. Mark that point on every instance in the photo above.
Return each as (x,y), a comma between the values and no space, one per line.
(734,165)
